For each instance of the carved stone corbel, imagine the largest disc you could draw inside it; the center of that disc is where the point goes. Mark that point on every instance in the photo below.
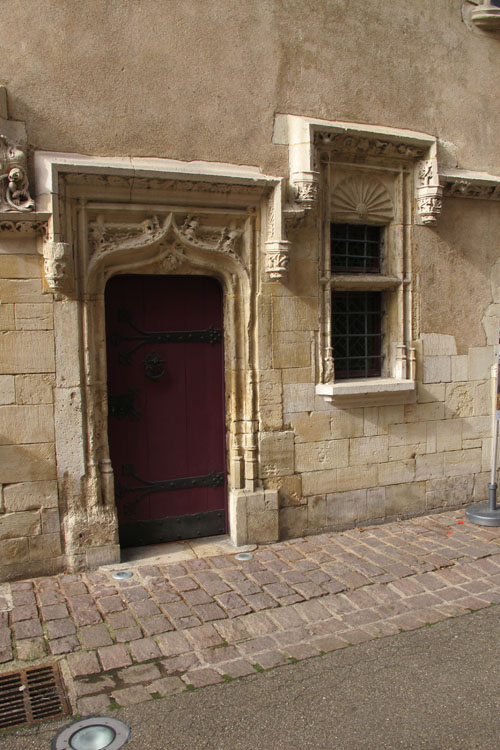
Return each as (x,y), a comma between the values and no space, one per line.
(306,187)
(277,259)
(429,192)
(58,266)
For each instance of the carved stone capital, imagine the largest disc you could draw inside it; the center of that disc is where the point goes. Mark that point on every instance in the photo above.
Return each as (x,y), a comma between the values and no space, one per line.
(306,187)
(277,259)
(57,266)
(14,187)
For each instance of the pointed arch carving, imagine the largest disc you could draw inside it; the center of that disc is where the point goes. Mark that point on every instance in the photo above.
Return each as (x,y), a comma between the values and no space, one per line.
(134,244)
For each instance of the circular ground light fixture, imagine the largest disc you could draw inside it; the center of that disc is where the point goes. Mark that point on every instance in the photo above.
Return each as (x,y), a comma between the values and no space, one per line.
(243,556)
(93,733)
(122,575)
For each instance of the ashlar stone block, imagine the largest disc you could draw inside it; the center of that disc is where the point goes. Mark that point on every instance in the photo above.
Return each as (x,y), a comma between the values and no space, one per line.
(356,477)
(368,450)
(22,463)
(34,317)
(404,498)
(310,427)
(20,266)
(460,368)
(67,343)
(480,360)
(292,522)
(7,317)
(437,369)
(291,349)
(316,512)
(263,527)
(30,496)
(322,455)
(436,344)
(345,508)
(298,397)
(459,463)
(277,453)
(26,424)
(477,427)
(319,482)
(347,423)
(16,525)
(375,502)
(449,435)
(429,392)
(45,546)
(289,489)
(15,550)
(27,352)
(429,467)
(22,290)
(424,412)
(35,389)
(7,389)
(295,313)
(412,433)
(460,399)
(449,491)
(483,399)
(396,472)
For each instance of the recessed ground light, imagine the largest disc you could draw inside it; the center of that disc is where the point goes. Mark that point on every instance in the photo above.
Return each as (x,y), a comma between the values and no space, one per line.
(243,556)
(94,733)
(122,575)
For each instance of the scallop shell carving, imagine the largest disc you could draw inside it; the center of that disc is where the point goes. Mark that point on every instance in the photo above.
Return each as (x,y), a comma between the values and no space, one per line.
(362,199)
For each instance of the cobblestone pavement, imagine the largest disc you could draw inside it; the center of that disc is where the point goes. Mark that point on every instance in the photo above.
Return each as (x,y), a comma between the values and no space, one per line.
(175,627)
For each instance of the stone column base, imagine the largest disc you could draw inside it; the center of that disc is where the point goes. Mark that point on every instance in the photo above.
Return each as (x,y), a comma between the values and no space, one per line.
(253,517)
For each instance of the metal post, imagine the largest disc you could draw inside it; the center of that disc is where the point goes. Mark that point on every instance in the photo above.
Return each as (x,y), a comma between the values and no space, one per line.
(488,514)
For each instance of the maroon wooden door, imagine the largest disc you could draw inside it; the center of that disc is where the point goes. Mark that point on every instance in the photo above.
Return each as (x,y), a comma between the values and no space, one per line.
(166,422)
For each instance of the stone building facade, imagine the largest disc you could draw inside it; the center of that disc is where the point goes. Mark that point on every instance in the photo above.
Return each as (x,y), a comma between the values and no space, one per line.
(335,168)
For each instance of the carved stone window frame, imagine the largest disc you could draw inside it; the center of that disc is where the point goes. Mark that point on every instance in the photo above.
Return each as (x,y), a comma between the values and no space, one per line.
(403,163)
(116,216)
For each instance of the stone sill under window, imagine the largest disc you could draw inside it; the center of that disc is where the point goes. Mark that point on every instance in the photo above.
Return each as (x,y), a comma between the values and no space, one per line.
(368,392)
(363,281)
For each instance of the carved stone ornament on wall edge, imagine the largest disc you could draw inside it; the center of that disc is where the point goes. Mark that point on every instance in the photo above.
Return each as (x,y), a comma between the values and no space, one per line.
(14,187)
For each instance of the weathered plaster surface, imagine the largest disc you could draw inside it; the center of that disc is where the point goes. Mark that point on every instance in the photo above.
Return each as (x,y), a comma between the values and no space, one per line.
(174,79)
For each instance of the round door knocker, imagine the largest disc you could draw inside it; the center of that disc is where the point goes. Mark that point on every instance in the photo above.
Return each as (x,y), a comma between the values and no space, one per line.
(154,366)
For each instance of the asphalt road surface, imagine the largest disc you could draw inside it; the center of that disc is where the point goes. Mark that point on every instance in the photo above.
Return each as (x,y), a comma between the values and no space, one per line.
(437,688)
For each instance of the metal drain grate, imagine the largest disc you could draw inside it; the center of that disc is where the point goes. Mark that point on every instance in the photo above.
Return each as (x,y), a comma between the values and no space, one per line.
(31,695)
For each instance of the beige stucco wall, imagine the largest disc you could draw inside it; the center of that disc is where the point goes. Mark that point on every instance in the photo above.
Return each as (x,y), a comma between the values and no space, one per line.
(203,80)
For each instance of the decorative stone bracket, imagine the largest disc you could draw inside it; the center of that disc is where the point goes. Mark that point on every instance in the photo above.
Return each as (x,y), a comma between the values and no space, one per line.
(428,192)
(14,187)
(277,245)
(58,266)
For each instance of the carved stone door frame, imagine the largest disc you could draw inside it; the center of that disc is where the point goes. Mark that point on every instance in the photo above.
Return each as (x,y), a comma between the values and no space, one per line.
(105,224)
